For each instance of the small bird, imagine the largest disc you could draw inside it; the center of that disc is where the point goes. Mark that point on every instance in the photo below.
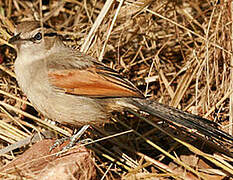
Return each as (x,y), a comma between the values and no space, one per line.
(70,87)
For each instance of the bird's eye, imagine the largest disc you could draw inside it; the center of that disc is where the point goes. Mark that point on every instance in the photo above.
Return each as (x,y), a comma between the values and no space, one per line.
(38,36)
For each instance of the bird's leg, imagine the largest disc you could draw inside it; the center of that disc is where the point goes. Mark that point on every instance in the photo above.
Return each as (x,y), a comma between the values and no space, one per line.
(73,139)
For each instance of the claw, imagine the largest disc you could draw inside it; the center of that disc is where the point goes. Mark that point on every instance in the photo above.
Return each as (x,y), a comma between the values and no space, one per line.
(58,142)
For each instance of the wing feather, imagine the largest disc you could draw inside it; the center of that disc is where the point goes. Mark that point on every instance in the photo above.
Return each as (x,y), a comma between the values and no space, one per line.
(94,81)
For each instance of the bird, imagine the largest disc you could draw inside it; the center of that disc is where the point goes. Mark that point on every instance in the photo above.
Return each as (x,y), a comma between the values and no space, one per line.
(71,87)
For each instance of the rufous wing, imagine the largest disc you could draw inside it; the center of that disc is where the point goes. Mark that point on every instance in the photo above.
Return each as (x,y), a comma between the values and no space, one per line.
(93,82)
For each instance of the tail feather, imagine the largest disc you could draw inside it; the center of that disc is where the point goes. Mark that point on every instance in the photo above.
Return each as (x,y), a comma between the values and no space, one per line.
(170,114)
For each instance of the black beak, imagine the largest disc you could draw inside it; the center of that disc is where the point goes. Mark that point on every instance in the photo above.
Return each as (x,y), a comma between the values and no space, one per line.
(14,39)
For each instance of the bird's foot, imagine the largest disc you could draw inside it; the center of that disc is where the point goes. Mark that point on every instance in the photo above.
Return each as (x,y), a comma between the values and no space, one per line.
(58,142)
(73,139)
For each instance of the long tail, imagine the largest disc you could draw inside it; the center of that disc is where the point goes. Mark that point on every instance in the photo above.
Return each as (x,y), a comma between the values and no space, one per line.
(170,114)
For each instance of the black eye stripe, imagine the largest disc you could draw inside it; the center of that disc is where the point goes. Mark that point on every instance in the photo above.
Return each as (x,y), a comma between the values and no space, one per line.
(50,34)
(33,39)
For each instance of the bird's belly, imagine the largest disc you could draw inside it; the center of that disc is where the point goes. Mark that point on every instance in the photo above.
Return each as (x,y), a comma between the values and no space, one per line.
(69,109)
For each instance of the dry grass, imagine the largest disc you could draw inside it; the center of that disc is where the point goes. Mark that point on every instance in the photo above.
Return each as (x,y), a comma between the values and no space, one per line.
(177,52)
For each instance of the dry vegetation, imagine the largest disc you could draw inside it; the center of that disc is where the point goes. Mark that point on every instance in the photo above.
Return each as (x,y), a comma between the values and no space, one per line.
(178,52)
